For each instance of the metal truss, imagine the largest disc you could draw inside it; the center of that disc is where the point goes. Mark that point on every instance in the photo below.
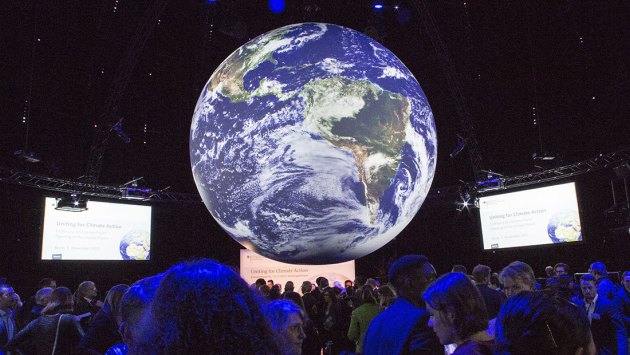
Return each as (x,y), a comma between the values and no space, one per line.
(117,89)
(466,126)
(21,178)
(583,167)
(509,182)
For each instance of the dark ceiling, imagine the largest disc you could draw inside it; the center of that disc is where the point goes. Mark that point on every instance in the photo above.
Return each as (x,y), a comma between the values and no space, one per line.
(568,59)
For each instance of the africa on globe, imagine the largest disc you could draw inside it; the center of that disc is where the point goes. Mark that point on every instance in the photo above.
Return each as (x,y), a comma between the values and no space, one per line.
(564,226)
(135,245)
(313,144)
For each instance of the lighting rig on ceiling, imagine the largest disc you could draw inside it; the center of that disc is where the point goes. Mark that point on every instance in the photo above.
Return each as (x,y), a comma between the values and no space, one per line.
(73,204)
(461,144)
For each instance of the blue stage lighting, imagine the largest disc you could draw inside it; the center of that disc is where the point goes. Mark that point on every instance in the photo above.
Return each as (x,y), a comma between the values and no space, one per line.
(378,6)
(276,6)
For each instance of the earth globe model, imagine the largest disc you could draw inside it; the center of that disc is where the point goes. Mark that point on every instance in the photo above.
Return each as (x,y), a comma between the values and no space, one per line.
(313,144)
(564,226)
(135,245)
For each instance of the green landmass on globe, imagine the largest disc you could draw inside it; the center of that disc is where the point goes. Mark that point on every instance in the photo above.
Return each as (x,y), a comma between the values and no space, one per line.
(367,120)
(313,144)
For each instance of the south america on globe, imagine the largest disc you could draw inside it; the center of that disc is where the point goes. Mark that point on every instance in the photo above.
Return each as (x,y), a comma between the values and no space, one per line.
(313,144)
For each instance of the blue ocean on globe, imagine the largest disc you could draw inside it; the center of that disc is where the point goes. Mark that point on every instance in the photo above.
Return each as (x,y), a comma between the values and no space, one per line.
(135,245)
(313,144)
(564,226)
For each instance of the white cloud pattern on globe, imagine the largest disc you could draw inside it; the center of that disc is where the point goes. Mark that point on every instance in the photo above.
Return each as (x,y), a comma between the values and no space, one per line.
(313,144)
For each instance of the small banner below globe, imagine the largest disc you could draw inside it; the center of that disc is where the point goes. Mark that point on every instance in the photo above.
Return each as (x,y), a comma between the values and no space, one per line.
(313,144)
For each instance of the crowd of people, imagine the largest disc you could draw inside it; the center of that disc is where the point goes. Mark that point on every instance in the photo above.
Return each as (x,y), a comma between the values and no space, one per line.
(204,307)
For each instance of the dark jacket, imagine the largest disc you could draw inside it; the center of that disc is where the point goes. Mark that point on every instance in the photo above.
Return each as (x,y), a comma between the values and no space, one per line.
(493,299)
(82,306)
(42,332)
(609,333)
(101,335)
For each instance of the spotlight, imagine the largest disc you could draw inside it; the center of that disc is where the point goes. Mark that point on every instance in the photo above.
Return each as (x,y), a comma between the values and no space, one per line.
(378,6)
(72,204)
(277,6)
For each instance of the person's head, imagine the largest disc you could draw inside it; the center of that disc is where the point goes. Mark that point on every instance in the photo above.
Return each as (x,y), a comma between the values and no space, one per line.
(16,302)
(306,287)
(47,282)
(42,297)
(367,294)
(287,319)
(6,297)
(549,271)
(112,302)
(588,285)
(538,323)
(481,274)
(517,277)
(410,276)
(337,284)
(295,298)
(494,281)
(322,283)
(260,282)
(625,280)
(86,289)
(371,283)
(279,287)
(337,292)
(457,309)
(386,295)
(270,283)
(347,284)
(460,268)
(329,296)
(133,306)
(359,281)
(561,269)
(350,292)
(61,301)
(201,306)
(289,287)
(598,270)
(274,293)
(265,290)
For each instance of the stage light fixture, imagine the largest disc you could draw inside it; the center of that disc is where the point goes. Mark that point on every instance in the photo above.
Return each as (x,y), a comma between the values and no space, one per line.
(72,204)
(378,6)
(461,143)
(544,156)
(27,156)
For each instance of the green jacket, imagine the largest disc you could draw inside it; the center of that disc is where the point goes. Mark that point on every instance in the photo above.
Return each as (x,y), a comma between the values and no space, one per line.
(361,318)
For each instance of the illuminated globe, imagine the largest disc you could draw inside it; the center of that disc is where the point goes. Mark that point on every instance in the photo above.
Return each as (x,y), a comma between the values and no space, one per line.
(313,144)
(564,226)
(135,245)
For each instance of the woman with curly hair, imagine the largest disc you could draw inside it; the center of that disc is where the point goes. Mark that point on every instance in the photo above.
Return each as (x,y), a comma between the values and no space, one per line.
(203,307)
